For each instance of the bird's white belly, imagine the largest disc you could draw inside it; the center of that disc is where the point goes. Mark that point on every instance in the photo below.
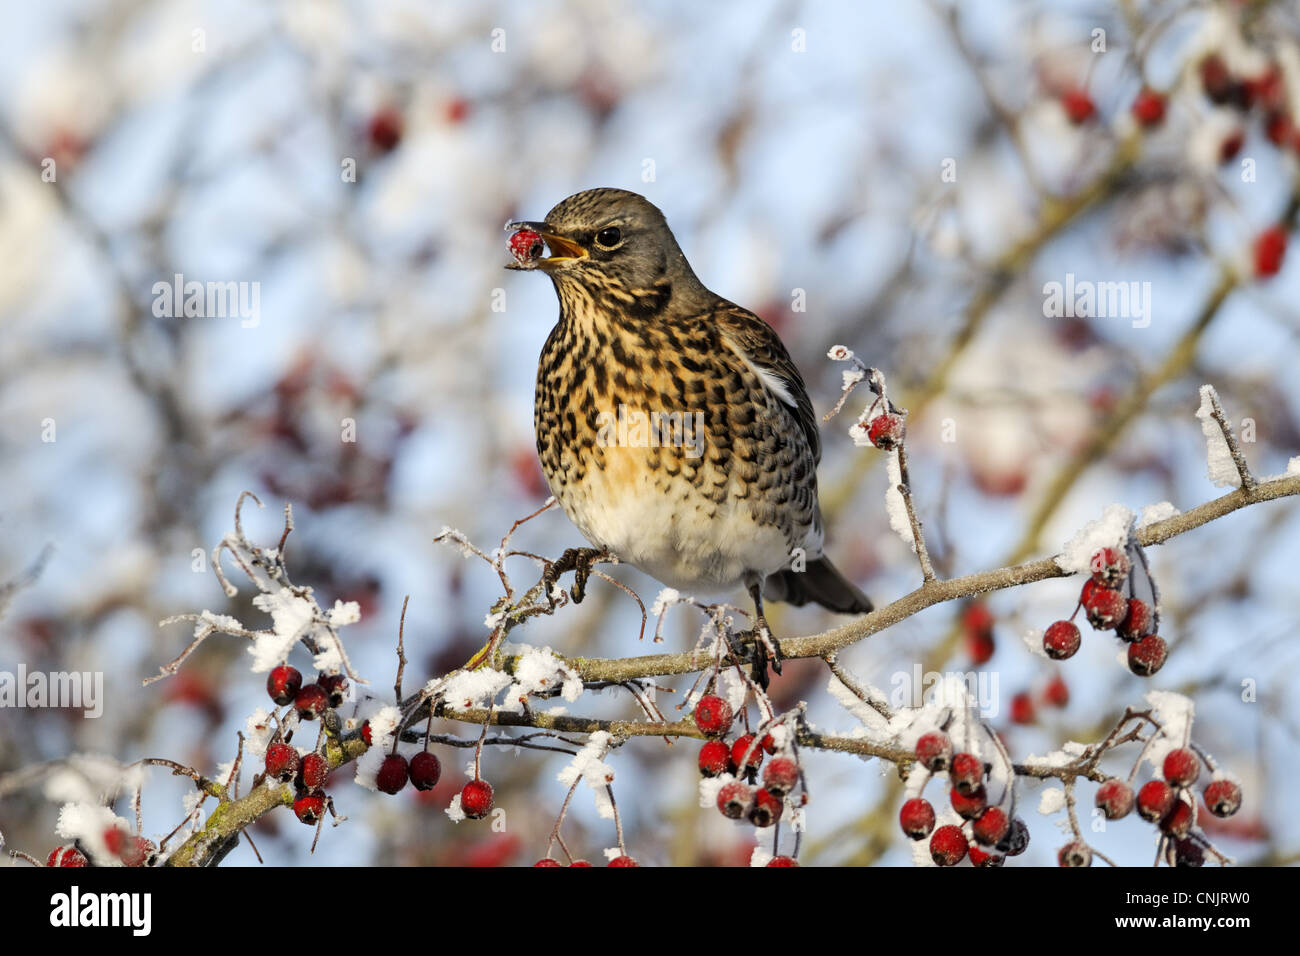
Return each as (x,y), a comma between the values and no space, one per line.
(664,528)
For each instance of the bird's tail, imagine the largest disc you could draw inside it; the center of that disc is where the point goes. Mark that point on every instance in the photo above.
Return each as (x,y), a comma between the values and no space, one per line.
(821,582)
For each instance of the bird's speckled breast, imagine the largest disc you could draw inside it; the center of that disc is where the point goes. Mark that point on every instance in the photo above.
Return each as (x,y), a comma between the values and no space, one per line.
(720,494)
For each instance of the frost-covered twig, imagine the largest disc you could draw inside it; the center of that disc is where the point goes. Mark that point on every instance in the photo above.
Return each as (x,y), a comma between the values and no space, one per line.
(1219,470)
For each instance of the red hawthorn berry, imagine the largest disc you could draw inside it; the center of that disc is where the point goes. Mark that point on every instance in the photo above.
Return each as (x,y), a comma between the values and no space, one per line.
(1057,692)
(1149,107)
(1115,799)
(580,863)
(66,855)
(526,246)
(282,762)
(313,771)
(309,807)
(735,799)
(1061,640)
(392,774)
(1147,656)
(1216,80)
(1178,821)
(745,745)
(991,826)
(1017,839)
(623,860)
(886,431)
(713,715)
(1110,566)
(1074,853)
(1182,767)
(969,806)
(1269,251)
(768,744)
(1104,606)
(311,702)
(966,772)
(977,625)
(334,685)
(766,809)
(1231,145)
(1137,622)
(1223,797)
(1154,800)
(283,684)
(547,861)
(783,861)
(916,818)
(985,859)
(476,799)
(1279,128)
(780,776)
(137,851)
(1078,105)
(1187,852)
(385,129)
(948,845)
(424,771)
(934,751)
(1022,708)
(715,758)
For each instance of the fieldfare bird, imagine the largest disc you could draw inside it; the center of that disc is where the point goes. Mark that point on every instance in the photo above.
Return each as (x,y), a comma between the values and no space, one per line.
(672,425)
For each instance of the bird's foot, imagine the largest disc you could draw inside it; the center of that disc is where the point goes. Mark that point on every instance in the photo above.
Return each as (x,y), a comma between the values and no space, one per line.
(577,560)
(767,651)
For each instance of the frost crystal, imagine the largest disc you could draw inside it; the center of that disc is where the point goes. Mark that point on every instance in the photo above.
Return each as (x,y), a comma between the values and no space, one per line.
(1222,471)
(894,503)
(291,617)
(383,727)
(540,671)
(1159,511)
(468,689)
(589,765)
(1108,531)
(87,823)
(1052,801)
(666,599)
(257,733)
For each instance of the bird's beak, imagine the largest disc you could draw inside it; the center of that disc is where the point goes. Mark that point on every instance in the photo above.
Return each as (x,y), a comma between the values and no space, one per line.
(562,250)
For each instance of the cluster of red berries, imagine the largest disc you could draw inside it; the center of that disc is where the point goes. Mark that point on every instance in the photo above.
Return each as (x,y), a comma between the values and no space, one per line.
(423,771)
(989,834)
(623,860)
(1106,608)
(130,849)
(741,799)
(1168,803)
(284,685)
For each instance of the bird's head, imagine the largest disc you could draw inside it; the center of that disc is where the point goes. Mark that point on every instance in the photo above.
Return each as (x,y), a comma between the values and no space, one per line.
(609,242)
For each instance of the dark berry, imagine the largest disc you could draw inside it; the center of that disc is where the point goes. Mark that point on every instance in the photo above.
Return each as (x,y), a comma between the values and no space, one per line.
(1187,852)
(424,770)
(983,858)
(1017,839)
(283,684)
(1074,853)
(385,129)
(1178,821)
(336,686)
(392,774)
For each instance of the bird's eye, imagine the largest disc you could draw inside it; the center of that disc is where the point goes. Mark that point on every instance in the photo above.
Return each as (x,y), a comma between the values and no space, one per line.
(609,237)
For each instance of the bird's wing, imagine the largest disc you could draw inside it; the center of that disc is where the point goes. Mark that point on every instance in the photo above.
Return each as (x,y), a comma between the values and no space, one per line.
(759,346)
